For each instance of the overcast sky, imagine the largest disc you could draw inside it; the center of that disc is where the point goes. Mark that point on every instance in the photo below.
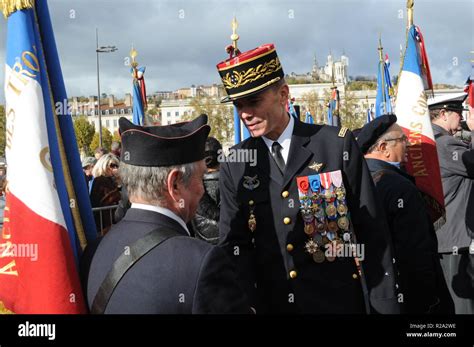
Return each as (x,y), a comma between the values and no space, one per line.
(181,41)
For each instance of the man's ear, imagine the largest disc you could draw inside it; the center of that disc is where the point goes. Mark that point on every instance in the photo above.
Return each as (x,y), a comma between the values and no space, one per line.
(283,92)
(382,146)
(172,182)
(443,114)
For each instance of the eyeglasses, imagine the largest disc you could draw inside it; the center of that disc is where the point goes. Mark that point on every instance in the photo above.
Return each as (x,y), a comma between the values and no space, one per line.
(402,138)
(113,166)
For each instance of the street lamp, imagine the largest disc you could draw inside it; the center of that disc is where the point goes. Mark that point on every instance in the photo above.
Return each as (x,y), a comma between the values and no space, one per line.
(102,49)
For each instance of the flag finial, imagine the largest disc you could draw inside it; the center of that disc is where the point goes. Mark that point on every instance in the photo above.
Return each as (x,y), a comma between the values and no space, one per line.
(133,55)
(10,6)
(380,48)
(410,5)
(234,37)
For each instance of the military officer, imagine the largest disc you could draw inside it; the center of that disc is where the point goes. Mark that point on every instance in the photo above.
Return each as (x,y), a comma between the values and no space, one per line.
(422,283)
(148,263)
(292,221)
(456,160)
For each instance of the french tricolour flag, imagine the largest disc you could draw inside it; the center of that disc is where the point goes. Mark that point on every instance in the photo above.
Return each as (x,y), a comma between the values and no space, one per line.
(48,218)
(413,117)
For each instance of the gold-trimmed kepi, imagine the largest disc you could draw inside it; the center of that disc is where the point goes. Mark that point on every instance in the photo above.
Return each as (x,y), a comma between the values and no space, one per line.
(247,73)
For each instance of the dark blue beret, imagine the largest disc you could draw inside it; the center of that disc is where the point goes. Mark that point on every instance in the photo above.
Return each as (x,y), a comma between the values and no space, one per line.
(372,131)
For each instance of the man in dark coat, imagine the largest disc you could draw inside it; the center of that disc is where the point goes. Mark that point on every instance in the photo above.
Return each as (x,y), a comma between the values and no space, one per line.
(422,285)
(161,269)
(456,161)
(206,221)
(279,256)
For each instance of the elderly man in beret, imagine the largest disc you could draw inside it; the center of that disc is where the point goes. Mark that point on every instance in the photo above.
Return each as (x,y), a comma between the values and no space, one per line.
(456,160)
(285,218)
(148,263)
(422,285)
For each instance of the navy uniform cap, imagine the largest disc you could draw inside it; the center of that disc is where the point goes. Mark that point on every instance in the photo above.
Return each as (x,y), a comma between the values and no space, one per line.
(169,145)
(452,102)
(372,131)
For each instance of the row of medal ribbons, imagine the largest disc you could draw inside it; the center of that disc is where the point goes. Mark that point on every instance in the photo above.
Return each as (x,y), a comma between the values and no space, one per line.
(324,211)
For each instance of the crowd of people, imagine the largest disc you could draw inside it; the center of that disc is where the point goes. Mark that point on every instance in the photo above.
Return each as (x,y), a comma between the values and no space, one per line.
(324,223)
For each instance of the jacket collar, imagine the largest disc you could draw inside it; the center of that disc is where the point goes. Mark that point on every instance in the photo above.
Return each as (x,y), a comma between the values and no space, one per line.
(160,220)
(439,130)
(377,165)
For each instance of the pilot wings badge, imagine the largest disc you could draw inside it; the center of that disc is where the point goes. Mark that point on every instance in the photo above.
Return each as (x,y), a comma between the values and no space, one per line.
(316,166)
(251,183)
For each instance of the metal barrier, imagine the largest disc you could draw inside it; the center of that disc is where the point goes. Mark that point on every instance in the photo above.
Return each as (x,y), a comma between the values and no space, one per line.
(100,211)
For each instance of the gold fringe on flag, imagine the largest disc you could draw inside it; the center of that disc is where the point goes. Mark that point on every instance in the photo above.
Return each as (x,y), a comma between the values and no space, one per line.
(4,310)
(10,6)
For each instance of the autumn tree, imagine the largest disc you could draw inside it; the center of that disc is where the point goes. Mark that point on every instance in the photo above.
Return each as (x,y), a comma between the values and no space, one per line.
(350,118)
(221,117)
(116,137)
(84,134)
(313,104)
(106,140)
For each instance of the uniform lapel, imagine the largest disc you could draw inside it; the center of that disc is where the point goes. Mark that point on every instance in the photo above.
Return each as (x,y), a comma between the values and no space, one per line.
(299,154)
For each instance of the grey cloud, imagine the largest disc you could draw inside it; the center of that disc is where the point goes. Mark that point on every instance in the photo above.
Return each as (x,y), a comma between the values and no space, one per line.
(179,52)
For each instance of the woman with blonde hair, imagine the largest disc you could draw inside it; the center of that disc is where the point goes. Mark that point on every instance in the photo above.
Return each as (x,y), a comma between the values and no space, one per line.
(105,190)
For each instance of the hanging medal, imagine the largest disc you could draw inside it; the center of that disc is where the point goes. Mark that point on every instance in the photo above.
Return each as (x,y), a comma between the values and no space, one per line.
(306,204)
(252,222)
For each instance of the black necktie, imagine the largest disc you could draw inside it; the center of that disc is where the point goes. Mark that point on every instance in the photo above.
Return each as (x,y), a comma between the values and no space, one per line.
(276,153)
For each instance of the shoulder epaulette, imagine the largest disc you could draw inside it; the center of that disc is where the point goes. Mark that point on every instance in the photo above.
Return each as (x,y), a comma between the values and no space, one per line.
(342,132)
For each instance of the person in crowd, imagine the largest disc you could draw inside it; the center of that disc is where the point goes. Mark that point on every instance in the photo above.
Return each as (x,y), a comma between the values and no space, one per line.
(99,152)
(87,166)
(291,219)
(169,272)
(115,148)
(105,190)
(456,160)
(206,221)
(422,285)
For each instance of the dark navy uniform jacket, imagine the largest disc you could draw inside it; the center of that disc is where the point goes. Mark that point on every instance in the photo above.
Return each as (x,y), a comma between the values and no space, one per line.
(181,275)
(278,274)
(422,281)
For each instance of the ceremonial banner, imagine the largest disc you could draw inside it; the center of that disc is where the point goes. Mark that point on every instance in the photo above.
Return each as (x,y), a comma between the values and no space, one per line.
(139,95)
(413,117)
(469,89)
(333,108)
(48,217)
(383,104)
(309,118)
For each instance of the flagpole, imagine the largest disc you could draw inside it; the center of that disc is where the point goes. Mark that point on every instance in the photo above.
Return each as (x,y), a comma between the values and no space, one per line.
(410,6)
(382,73)
(65,166)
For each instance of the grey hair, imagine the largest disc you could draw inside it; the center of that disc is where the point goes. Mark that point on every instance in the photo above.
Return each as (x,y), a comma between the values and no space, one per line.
(434,114)
(149,183)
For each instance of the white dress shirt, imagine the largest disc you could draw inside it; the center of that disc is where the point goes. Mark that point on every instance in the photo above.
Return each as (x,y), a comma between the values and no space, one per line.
(284,140)
(164,211)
